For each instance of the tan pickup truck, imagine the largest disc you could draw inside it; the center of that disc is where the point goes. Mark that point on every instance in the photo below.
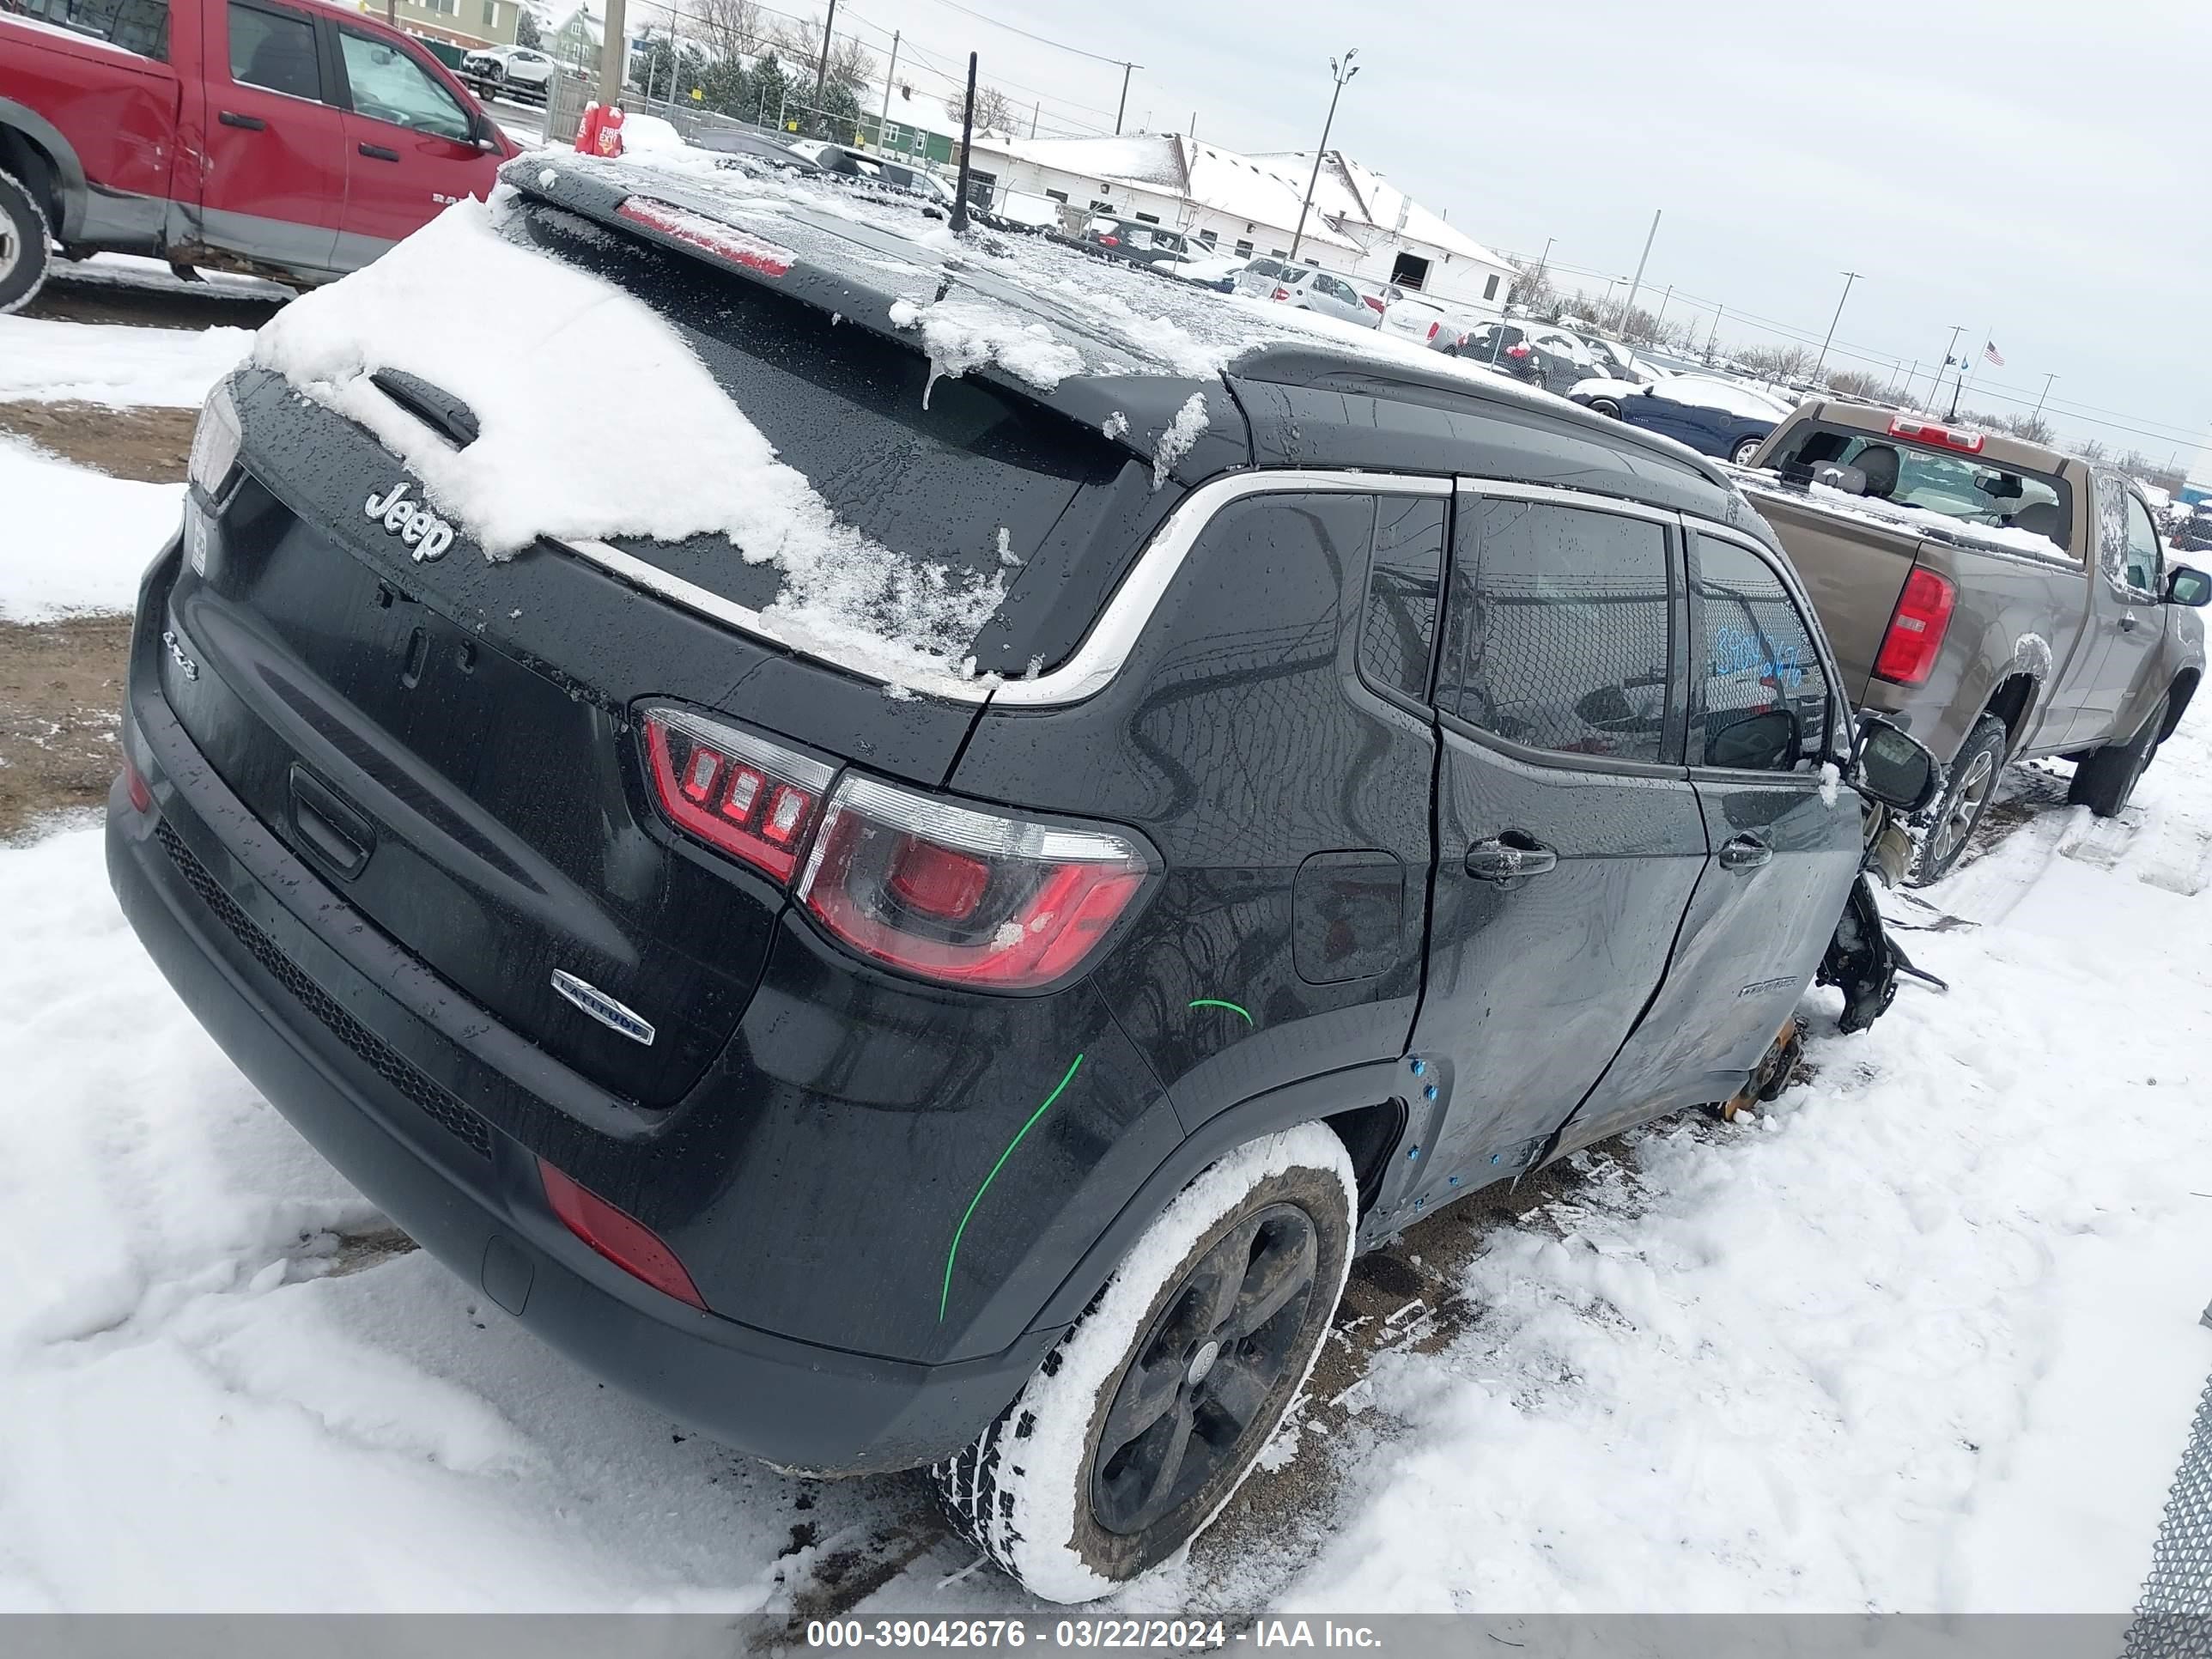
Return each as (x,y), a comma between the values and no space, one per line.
(1998,599)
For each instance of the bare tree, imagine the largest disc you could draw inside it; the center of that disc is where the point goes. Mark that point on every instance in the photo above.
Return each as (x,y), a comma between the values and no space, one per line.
(726,28)
(1856,383)
(994,108)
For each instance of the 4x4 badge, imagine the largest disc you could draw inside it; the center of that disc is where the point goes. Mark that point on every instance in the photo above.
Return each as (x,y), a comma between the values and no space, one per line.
(411,521)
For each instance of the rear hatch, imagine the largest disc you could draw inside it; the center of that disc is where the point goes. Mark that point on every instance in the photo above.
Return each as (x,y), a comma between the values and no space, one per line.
(453,743)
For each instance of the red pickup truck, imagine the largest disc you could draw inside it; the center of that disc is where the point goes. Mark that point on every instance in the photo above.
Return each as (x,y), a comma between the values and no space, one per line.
(288,138)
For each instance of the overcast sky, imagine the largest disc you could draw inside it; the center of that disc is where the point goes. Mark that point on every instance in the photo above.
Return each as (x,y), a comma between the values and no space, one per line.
(2035,171)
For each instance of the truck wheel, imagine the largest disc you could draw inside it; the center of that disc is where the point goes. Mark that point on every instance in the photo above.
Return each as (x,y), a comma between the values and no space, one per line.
(1965,797)
(2105,781)
(22,244)
(1137,1428)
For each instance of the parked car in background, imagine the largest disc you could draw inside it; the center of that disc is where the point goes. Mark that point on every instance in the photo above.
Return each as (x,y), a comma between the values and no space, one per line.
(952,1081)
(296,141)
(1140,241)
(1541,353)
(2001,599)
(2193,529)
(1424,323)
(1669,362)
(1206,270)
(750,153)
(1379,297)
(1617,362)
(1308,290)
(1712,415)
(509,71)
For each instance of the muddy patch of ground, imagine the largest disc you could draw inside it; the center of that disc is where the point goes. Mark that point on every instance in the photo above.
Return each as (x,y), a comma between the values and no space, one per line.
(151,445)
(61,698)
(216,305)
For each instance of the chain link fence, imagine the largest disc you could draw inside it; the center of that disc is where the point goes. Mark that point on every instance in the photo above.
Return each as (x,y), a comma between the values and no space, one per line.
(2173,1620)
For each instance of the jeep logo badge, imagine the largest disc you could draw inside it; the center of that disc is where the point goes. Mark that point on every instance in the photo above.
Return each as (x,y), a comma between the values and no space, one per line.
(411,521)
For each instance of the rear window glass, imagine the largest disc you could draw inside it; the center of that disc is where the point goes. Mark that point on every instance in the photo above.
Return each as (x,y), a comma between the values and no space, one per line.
(979,483)
(1987,493)
(139,25)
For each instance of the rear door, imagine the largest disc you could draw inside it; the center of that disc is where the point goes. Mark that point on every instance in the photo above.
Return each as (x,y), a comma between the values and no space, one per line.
(1568,834)
(410,150)
(276,181)
(1764,714)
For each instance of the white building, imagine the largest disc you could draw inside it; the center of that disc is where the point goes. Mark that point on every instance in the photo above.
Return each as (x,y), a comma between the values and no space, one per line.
(1359,225)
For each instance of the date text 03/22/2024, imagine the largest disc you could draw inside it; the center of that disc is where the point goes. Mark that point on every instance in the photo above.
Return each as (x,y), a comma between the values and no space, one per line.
(1170,1635)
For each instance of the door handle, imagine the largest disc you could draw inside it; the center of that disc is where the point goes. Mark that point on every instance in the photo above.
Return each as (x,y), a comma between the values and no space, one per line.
(2128,623)
(1745,853)
(1507,857)
(231,117)
(378,153)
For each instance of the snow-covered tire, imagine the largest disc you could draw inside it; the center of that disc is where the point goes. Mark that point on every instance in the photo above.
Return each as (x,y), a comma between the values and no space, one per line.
(23,233)
(1967,789)
(2105,781)
(1029,1491)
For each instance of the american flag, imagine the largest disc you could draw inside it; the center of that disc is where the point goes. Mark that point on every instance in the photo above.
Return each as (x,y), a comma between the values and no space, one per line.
(1989,350)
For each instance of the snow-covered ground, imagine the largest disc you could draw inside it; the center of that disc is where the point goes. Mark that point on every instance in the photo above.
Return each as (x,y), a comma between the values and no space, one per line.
(75,540)
(47,361)
(1923,1336)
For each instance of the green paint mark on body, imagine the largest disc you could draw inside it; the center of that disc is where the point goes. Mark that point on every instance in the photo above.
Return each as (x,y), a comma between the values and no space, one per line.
(944,1296)
(1216,1002)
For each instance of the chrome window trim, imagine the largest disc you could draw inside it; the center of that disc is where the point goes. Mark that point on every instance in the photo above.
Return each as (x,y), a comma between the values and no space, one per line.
(1105,649)
(1502,490)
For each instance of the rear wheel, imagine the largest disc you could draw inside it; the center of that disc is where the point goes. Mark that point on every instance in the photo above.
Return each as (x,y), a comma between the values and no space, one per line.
(1605,406)
(1140,1424)
(2104,782)
(1965,797)
(1745,449)
(22,244)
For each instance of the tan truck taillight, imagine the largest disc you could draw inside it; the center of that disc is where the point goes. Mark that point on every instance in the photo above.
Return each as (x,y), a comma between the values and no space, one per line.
(1916,627)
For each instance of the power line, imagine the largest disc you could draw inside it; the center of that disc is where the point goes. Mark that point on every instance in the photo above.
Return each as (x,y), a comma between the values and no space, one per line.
(1043,41)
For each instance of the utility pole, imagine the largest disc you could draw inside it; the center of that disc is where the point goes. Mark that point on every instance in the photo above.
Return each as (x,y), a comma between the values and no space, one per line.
(1036,110)
(1121,109)
(889,74)
(822,74)
(1949,352)
(2047,379)
(967,146)
(1850,277)
(1342,77)
(1649,238)
(1544,259)
(613,53)
(1662,317)
(1713,339)
(1959,385)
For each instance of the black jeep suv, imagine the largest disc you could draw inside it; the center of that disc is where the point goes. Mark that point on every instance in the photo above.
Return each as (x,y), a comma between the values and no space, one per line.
(1375,781)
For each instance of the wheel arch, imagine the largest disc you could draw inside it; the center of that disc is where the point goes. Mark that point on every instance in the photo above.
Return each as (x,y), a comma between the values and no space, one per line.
(2177,696)
(1370,1132)
(2011,700)
(29,143)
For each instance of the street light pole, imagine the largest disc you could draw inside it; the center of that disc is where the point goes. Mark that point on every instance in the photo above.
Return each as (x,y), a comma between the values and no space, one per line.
(1649,238)
(1342,75)
(1121,109)
(2047,379)
(1936,390)
(1850,277)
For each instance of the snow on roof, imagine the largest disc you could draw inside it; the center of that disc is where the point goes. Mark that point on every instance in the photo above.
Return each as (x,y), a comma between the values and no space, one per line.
(1213,178)
(1349,193)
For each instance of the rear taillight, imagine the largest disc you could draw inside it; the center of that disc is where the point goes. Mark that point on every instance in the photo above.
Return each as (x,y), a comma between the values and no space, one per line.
(1375,303)
(1110,241)
(740,794)
(623,1240)
(134,785)
(725,242)
(1280,293)
(962,896)
(1928,432)
(1916,629)
(1433,327)
(1516,351)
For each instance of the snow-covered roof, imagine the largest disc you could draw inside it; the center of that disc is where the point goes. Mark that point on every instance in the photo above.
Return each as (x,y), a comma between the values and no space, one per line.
(1211,177)
(1350,194)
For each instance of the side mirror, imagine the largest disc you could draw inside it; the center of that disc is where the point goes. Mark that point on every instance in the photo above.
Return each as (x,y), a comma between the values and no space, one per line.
(2186,585)
(1893,766)
(1770,741)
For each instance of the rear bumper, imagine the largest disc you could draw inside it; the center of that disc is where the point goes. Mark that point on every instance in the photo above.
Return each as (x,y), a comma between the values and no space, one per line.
(198,879)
